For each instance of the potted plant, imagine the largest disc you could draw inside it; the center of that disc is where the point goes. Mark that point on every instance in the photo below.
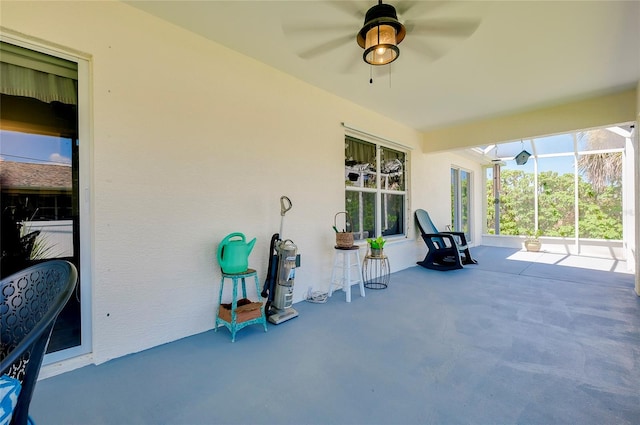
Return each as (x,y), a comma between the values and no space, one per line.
(376,246)
(532,242)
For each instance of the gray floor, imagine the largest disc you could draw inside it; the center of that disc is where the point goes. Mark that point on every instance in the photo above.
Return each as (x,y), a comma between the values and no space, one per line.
(507,341)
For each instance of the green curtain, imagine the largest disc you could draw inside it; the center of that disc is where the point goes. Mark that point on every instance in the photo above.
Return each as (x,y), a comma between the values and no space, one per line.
(360,152)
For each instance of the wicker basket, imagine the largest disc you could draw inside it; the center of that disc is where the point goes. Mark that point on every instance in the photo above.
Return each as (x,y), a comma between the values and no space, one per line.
(343,239)
(246,310)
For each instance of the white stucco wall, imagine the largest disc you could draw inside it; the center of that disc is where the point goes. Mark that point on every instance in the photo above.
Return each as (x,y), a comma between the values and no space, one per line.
(190,142)
(593,112)
(432,192)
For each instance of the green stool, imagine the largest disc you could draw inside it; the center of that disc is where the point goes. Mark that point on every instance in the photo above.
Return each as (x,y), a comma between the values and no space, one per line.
(239,317)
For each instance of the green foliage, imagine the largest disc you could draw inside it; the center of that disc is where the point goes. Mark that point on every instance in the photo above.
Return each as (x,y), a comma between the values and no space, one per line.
(600,209)
(377,243)
(534,235)
(516,203)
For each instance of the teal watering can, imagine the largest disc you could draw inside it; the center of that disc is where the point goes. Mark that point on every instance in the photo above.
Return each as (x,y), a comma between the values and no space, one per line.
(233,253)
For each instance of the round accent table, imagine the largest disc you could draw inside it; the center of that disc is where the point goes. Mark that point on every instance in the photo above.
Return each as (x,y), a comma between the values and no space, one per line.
(376,271)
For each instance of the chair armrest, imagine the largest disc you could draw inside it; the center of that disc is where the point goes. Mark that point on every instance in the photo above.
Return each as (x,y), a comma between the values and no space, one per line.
(446,236)
(463,238)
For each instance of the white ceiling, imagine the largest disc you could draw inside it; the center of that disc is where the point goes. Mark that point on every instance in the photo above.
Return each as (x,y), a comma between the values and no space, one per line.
(523,55)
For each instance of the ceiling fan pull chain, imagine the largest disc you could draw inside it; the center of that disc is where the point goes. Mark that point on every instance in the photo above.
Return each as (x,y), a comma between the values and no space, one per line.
(370,74)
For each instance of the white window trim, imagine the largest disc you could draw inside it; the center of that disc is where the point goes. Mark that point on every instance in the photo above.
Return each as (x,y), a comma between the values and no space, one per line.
(383,142)
(471,198)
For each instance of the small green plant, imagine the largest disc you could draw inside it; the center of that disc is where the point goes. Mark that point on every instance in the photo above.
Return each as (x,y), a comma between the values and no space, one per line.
(534,235)
(532,242)
(377,243)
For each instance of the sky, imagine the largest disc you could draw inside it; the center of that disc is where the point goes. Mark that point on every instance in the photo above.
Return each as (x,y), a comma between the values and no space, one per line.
(553,145)
(34,148)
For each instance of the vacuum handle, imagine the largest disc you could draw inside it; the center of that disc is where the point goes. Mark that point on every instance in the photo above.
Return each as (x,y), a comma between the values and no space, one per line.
(285,205)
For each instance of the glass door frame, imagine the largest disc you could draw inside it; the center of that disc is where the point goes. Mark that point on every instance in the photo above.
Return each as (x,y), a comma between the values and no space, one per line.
(456,202)
(84,191)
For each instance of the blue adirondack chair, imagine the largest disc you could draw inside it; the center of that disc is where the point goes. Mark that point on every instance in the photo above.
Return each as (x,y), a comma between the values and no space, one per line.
(447,250)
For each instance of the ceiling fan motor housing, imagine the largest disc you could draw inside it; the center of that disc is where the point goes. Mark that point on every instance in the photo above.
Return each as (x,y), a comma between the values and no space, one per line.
(380,35)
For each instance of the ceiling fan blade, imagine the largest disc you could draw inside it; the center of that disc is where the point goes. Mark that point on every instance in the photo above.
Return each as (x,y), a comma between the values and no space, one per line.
(351,8)
(354,60)
(295,29)
(423,48)
(327,46)
(442,27)
(417,8)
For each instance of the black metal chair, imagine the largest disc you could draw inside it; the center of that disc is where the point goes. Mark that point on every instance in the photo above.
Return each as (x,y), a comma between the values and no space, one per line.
(447,250)
(30,301)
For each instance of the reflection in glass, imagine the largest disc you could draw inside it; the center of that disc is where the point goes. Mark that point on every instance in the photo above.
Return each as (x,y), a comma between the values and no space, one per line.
(490,224)
(39,171)
(374,191)
(361,207)
(360,163)
(465,204)
(460,201)
(392,214)
(37,188)
(391,169)
(37,183)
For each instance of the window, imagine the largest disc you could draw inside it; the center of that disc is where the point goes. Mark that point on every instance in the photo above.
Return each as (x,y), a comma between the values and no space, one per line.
(461,201)
(375,189)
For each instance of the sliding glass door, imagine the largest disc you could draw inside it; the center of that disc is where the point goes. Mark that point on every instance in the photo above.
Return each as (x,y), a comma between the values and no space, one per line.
(461,201)
(40,177)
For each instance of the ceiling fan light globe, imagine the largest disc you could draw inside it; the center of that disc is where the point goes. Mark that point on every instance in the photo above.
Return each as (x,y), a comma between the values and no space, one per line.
(380,45)
(381,34)
(381,54)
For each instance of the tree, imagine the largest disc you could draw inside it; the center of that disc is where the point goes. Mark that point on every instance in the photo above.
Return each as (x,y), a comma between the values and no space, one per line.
(600,217)
(600,169)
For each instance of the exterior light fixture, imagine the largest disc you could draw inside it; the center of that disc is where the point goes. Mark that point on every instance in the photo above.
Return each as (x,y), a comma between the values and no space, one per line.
(381,34)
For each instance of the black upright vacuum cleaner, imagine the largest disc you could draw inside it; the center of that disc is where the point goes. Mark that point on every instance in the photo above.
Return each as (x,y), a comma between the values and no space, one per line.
(278,286)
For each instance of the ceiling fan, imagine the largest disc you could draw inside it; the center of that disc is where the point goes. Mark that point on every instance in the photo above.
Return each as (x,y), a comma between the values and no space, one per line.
(381,31)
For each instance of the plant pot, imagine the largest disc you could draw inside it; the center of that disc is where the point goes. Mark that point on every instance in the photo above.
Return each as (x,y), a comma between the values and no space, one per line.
(533,245)
(377,252)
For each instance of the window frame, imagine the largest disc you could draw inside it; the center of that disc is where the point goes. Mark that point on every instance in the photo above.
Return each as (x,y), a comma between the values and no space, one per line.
(456,200)
(378,191)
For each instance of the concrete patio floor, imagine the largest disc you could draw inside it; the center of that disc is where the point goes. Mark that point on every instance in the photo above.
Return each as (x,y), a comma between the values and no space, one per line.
(520,338)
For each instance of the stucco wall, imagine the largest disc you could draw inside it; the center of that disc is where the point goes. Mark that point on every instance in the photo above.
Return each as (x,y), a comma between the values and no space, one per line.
(431,191)
(592,112)
(192,141)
